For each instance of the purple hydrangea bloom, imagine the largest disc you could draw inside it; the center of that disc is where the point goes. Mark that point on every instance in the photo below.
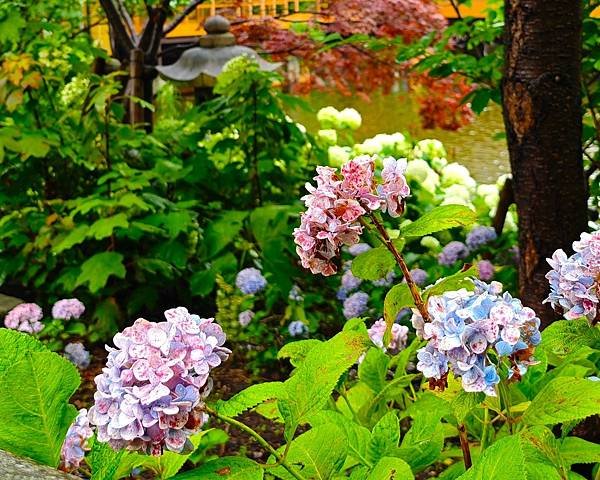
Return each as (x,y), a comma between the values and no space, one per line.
(397,341)
(245,317)
(486,270)
(77,354)
(386,281)
(349,281)
(465,325)
(295,294)
(419,276)
(150,395)
(355,305)
(453,252)
(573,280)
(67,309)
(480,236)
(25,317)
(357,249)
(250,281)
(76,442)
(297,328)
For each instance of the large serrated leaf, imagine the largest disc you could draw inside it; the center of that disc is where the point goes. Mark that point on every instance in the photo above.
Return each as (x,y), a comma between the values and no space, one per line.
(438,219)
(458,280)
(230,468)
(562,400)
(384,437)
(504,460)
(542,457)
(220,232)
(391,468)
(96,270)
(307,391)
(105,227)
(373,369)
(297,351)
(250,398)
(373,264)
(33,406)
(577,450)
(566,336)
(104,461)
(14,346)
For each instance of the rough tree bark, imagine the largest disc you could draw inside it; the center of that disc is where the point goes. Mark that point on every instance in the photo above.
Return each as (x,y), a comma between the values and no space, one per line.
(542,114)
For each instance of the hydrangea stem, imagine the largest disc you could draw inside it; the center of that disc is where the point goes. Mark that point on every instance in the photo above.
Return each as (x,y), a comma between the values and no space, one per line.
(389,244)
(262,442)
(464,445)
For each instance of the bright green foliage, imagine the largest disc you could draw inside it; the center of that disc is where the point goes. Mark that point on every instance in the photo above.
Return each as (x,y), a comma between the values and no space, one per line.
(33,406)
(566,336)
(542,457)
(423,443)
(373,369)
(373,264)
(504,460)
(96,270)
(440,218)
(104,461)
(384,437)
(297,351)
(397,298)
(390,468)
(15,346)
(453,282)
(577,450)
(232,468)
(562,400)
(250,398)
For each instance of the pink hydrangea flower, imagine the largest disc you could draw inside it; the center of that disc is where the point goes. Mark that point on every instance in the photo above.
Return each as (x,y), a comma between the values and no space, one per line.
(76,442)
(25,317)
(149,395)
(67,309)
(336,204)
(398,339)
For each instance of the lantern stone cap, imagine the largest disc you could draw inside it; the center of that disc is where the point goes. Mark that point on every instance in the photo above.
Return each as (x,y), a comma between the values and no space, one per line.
(217,24)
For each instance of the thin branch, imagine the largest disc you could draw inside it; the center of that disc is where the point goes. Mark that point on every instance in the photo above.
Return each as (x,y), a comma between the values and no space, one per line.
(115,21)
(127,21)
(179,18)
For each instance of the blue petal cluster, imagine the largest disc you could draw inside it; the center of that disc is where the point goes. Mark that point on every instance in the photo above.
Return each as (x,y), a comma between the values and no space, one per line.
(250,281)
(76,353)
(480,236)
(453,252)
(419,276)
(356,304)
(467,327)
(297,328)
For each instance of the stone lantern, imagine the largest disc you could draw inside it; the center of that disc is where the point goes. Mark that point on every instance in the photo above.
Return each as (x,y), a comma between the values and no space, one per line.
(199,66)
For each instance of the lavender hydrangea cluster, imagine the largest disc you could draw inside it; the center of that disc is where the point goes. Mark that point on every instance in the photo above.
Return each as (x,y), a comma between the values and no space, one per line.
(480,236)
(245,317)
(67,309)
(348,283)
(76,442)
(250,281)
(356,250)
(356,304)
(25,317)
(149,395)
(486,270)
(574,280)
(76,353)
(398,339)
(386,281)
(419,276)
(297,329)
(452,253)
(466,326)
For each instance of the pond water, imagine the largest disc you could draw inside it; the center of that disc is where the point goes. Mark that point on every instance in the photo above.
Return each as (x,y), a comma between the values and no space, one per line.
(474,145)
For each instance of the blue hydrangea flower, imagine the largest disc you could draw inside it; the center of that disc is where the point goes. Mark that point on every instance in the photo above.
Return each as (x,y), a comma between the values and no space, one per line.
(359,248)
(77,354)
(419,276)
(295,294)
(466,325)
(245,317)
(297,329)
(349,281)
(250,281)
(453,252)
(356,304)
(386,281)
(480,236)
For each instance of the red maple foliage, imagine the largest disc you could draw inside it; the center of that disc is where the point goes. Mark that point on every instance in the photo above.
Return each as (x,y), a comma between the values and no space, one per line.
(355,69)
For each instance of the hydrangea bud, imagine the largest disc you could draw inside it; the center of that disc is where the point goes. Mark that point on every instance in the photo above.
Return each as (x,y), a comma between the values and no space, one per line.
(480,236)
(452,253)
(574,280)
(245,317)
(250,281)
(77,354)
(465,326)
(295,294)
(356,304)
(328,136)
(25,317)
(76,442)
(67,309)
(349,118)
(328,117)
(297,329)
(398,339)
(149,395)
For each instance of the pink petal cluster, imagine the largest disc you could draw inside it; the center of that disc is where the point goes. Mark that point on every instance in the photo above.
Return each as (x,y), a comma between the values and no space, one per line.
(397,341)
(25,317)
(149,395)
(336,204)
(67,309)
(76,442)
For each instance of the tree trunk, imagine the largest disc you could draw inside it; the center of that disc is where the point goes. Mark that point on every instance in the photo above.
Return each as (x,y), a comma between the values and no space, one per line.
(542,114)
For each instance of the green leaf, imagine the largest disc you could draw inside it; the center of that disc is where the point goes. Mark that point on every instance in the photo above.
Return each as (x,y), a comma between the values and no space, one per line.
(373,264)
(504,460)
(74,237)
(461,402)
(15,346)
(222,231)
(542,457)
(103,460)
(562,400)
(384,438)
(105,226)
(397,298)
(577,450)
(423,443)
(33,406)
(250,398)
(391,468)
(373,369)
(318,453)
(440,218)
(96,270)
(297,351)
(456,281)
(566,336)
(225,468)
(310,387)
